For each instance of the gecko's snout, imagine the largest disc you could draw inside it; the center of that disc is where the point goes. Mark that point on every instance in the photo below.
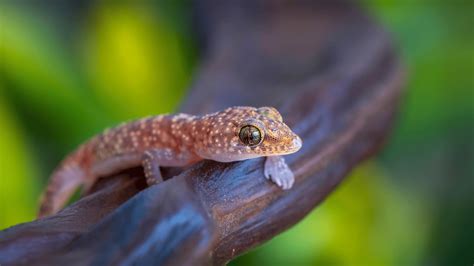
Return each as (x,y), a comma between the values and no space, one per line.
(297,143)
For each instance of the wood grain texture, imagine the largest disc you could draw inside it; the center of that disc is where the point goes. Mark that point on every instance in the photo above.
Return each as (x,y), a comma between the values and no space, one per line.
(331,71)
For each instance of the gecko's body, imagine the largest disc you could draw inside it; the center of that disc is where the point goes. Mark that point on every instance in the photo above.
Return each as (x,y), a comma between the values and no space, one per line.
(235,134)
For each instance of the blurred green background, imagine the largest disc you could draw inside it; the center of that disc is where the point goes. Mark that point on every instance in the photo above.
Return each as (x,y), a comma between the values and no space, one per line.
(70,69)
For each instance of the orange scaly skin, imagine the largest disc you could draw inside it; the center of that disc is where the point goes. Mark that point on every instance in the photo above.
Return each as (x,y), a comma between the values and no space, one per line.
(237,133)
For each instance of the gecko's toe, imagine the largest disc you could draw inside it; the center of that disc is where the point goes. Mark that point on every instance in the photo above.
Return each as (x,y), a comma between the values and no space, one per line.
(282,180)
(278,182)
(267,175)
(292,181)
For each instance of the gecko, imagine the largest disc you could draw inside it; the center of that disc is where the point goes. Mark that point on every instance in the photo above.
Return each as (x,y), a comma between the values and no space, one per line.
(234,134)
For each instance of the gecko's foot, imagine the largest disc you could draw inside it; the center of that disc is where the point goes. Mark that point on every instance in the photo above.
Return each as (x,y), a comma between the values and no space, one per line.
(278,171)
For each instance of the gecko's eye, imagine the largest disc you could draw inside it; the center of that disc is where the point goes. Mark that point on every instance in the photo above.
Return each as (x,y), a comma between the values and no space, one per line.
(250,135)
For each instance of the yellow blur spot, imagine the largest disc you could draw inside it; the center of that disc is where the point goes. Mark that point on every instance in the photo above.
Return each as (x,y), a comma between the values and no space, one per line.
(135,61)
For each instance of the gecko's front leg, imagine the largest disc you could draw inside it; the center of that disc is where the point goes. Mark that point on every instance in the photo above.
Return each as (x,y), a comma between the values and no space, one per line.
(153,159)
(279,172)
(151,166)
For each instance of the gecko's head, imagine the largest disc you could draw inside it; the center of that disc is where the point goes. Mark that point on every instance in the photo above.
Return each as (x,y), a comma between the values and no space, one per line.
(240,133)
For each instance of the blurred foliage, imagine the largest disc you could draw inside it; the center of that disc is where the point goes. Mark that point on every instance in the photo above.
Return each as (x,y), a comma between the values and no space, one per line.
(135,45)
(69,70)
(16,195)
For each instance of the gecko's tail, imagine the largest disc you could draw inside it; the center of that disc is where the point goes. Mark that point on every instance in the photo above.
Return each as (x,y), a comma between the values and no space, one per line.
(63,183)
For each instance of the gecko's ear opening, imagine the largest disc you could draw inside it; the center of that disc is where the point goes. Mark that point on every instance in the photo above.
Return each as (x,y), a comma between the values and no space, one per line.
(270,112)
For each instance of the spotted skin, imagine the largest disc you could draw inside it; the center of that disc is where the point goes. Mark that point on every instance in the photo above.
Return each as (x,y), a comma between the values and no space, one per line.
(174,140)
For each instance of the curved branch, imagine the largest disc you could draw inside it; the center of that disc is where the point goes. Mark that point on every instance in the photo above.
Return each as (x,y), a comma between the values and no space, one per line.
(331,72)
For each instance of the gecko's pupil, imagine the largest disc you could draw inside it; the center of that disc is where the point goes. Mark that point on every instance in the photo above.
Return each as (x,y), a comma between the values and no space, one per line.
(250,135)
